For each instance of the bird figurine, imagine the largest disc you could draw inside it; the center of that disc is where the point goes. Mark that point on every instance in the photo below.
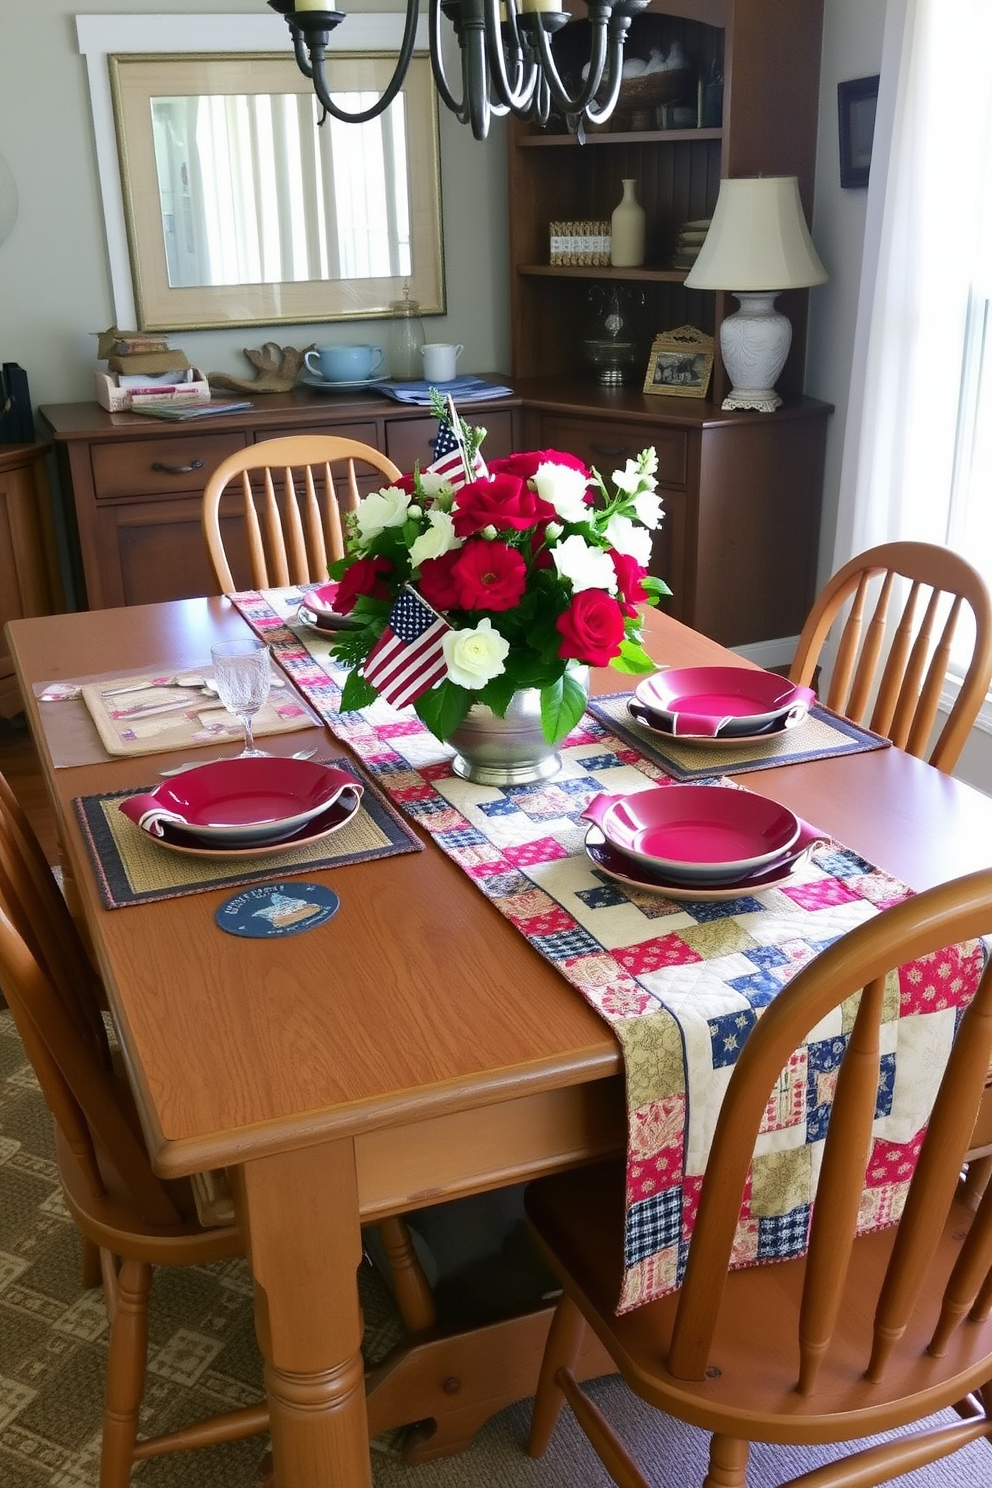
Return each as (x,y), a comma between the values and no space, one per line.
(277,368)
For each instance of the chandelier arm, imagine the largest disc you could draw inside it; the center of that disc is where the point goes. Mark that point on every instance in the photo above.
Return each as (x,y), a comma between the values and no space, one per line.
(502,38)
(459,109)
(597,60)
(317,48)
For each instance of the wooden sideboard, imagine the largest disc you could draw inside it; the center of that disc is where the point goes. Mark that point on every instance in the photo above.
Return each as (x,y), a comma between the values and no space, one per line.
(30,577)
(131,485)
(741,490)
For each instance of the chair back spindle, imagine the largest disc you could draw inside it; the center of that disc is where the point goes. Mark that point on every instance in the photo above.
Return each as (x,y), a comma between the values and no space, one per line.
(294,491)
(894,667)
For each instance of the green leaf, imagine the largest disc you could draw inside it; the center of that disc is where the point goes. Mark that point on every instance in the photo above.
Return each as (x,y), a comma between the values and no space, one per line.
(653,586)
(356,693)
(442,708)
(562,705)
(633,658)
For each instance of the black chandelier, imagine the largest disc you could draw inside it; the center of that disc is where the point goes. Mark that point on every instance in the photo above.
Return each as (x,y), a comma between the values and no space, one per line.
(507,63)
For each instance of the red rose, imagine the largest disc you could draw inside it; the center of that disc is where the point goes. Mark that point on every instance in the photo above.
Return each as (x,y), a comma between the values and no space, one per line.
(502,502)
(437,583)
(524,466)
(489,576)
(629,575)
(592,628)
(365,576)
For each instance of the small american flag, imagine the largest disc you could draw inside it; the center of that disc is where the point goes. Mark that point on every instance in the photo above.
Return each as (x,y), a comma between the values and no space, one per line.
(408,658)
(450,457)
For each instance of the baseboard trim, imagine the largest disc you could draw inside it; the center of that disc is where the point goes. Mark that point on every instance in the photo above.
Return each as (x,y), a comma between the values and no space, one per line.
(770,654)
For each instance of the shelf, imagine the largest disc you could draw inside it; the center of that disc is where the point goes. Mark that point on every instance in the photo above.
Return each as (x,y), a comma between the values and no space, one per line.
(604,271)
(632,137)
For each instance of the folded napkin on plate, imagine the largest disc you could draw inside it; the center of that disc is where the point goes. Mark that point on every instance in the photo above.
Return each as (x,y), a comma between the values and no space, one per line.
(149,813)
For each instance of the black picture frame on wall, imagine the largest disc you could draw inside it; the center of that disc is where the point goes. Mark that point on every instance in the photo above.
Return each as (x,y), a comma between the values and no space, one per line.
(856,104)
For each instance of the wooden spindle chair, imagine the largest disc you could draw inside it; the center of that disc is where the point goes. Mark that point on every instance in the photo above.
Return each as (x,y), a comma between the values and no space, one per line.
(895,665)
(294,492)
(129,1218)
(862,1335)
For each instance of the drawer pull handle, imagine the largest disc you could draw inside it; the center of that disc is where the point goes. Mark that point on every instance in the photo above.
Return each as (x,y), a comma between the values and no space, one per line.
(177,469)
(614,451)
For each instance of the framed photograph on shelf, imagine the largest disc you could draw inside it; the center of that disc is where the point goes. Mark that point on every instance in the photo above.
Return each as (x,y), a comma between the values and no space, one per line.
(680,364)
(856,104)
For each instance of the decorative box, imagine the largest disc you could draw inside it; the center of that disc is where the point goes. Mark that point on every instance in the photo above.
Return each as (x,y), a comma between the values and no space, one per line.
(116,399)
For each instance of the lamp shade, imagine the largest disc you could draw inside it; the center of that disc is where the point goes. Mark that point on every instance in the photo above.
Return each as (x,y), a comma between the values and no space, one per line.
(758,239)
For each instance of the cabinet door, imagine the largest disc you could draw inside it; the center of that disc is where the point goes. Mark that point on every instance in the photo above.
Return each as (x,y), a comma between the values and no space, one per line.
(29,580)
(607,447)
(153,551)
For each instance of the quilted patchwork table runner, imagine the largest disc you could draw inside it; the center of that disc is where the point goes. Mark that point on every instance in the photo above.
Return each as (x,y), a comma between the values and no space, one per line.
(680,983)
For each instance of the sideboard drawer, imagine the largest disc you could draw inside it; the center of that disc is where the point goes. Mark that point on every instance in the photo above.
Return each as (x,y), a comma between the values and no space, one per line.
(152,467)
(609,446)
(412,439)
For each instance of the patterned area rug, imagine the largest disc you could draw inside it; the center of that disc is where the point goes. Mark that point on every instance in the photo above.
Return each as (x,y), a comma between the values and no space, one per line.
(203,1358)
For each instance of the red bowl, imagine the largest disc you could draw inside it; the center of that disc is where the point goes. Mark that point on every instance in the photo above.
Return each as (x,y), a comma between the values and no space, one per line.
(702,833)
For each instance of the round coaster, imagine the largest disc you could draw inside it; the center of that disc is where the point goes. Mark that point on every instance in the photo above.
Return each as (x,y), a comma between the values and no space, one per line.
(277,909)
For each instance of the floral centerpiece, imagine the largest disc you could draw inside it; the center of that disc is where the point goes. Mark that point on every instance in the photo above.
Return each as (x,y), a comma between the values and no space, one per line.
(519,575)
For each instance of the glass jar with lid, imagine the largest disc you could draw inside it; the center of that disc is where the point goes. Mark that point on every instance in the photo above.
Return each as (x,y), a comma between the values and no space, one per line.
(406,337)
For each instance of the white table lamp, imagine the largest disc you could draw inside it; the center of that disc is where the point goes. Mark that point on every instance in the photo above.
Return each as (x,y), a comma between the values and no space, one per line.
(757,245)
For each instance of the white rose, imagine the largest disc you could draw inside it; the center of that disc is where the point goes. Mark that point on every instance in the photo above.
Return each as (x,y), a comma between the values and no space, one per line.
(435,485)
(587,567)
(627,537)
(475,657)
(381,509)
(439,538)
(565,489)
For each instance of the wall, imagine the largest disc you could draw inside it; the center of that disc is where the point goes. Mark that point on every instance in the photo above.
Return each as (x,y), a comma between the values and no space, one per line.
(852,48)
(54,283)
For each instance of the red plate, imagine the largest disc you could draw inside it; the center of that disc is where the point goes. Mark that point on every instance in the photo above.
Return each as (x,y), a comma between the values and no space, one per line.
(617,866)
(695,833)
(332,820)
(704,701)
(244,802)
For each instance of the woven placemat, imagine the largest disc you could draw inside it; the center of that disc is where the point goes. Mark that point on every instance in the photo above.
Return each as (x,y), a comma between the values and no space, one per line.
(823,735)
(132,868)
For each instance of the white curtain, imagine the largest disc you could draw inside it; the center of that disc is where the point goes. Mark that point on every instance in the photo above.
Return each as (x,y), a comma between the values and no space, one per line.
(925,197)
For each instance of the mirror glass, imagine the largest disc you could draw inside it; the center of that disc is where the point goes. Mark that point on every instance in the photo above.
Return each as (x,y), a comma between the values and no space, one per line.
(242,209)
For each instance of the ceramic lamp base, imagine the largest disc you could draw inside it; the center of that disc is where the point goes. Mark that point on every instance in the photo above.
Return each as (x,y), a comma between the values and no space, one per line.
(754,343)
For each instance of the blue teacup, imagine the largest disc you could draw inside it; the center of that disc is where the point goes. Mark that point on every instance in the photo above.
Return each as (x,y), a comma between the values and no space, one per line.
(344,363)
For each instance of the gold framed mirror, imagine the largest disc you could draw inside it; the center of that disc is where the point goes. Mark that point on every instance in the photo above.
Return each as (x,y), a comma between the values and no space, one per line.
(240,210)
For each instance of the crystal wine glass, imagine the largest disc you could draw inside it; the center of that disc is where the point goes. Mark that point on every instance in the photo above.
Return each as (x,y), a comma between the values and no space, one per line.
(243,679)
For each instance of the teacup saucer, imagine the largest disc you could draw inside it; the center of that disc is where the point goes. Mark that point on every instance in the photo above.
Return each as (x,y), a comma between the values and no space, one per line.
(337,387)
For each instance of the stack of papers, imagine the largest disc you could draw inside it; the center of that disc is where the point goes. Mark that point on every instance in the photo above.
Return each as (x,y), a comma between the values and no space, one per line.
(462,389)
(179,410)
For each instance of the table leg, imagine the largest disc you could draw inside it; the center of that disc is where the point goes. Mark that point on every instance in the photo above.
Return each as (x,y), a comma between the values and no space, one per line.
(300,1214)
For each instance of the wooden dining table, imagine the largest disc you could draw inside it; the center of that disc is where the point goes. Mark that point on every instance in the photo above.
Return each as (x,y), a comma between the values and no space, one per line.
(413,1049)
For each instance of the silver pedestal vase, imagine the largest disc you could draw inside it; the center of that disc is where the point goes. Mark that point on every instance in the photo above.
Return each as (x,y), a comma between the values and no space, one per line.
(510,750)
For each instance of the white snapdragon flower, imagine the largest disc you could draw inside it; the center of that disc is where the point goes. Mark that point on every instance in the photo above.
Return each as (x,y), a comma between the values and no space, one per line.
(647,508)
(638,475)
(630,538)
(565,489)
(379,510)
(437,539)
(587,567)
(475,657)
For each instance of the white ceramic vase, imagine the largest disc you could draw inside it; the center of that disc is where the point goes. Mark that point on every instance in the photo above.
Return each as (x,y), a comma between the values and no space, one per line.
(627,230)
